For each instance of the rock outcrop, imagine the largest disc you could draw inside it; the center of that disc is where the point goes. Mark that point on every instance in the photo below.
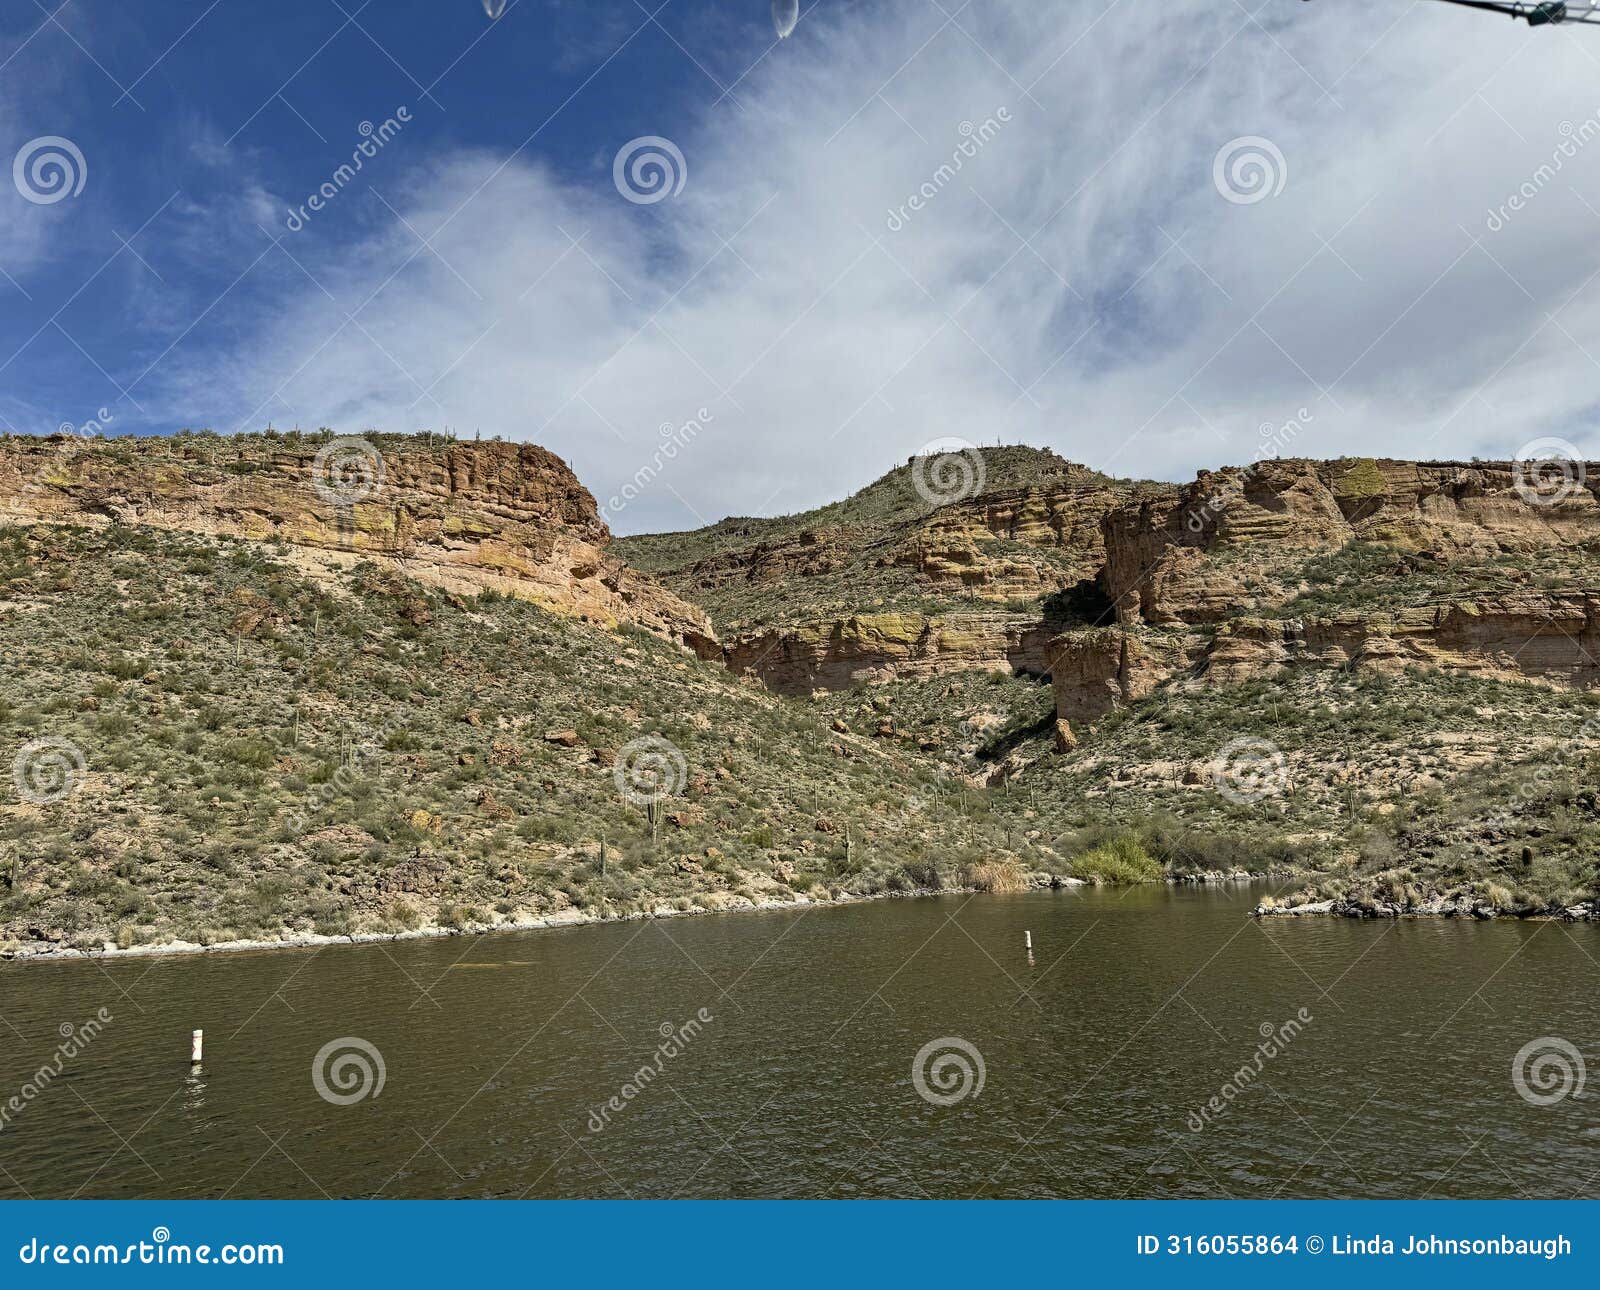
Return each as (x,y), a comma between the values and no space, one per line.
(956,545)
(1194,573)
(886,583)
(1546,636)
(1209,550)
(1550,637)
(1010,544)
(1096,671)
(871,647)
(462,516)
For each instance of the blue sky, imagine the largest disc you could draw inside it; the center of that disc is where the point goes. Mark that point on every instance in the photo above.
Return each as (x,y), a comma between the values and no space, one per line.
(912,220)
(198,121)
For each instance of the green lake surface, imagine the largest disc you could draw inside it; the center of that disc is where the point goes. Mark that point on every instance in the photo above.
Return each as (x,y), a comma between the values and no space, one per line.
(500,1055)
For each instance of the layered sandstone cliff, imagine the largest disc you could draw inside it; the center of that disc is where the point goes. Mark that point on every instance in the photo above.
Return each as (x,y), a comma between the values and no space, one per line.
(1227,543)
(895,581)
(885,584)
(841,654)
(1194,572)
(1547,637)
(462,516)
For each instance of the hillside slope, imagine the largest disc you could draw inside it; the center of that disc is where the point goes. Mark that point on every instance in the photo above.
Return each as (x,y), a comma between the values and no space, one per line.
(464,516)
(1330,664)
(952,561)
(245,698)
(985,527)
(205,743)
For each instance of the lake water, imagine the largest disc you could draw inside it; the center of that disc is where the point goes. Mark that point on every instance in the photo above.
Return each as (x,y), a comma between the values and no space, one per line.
(1096,1060)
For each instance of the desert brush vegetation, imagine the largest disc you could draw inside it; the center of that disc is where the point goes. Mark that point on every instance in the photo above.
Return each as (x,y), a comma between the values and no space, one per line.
(240,705)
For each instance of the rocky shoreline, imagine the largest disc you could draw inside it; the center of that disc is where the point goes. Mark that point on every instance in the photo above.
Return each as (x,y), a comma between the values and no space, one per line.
(1039,881)
(1438,907)
(53,952)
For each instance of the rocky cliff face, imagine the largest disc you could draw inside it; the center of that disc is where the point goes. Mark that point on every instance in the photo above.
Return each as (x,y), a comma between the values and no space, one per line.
(1550,637)
(1546,636)
(1019,544)
(1227,543)
(863,648)
(1010,544)
(465,517)
(887,584)
(884,585)
(1097,671)
(966,545)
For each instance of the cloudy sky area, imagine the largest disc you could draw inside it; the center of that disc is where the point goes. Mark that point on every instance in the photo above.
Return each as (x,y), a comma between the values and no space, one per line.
(1080,283)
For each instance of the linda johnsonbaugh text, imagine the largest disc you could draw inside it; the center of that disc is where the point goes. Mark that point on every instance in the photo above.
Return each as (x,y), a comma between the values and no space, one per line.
(1414,1244)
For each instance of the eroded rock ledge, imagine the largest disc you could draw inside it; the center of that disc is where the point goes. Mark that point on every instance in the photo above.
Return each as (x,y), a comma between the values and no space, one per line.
(462,516)
(1192,575)
(1551,637)
(870,647)
(1178,555)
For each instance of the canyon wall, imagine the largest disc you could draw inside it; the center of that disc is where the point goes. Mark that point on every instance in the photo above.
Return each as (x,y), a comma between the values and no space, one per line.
(1004,545)
(1547,637)
(1230,546)
(837,655)
(1194,572)
(1208,550)
(465,517)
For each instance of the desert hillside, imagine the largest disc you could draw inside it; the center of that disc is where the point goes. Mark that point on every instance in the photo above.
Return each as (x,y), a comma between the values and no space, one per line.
(465,517)
(247,698)
(1388,666)
(280,686)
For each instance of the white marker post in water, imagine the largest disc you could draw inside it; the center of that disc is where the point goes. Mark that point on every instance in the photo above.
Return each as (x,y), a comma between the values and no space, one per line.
(196,1042)
(1027,939)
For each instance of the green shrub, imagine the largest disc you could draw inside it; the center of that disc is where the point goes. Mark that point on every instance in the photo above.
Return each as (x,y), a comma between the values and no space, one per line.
(1119,862)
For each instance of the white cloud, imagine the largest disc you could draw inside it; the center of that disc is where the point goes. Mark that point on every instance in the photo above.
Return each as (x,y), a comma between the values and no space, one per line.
(828,347)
